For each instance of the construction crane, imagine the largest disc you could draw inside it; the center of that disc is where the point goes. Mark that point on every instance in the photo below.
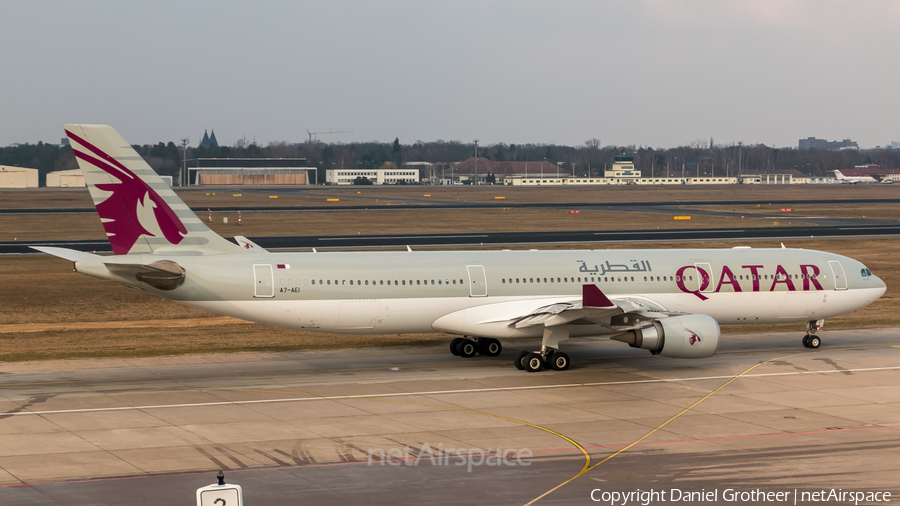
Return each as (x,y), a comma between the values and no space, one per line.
(329,132)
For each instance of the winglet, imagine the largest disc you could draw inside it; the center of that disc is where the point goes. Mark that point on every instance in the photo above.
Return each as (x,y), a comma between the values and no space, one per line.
(591,296)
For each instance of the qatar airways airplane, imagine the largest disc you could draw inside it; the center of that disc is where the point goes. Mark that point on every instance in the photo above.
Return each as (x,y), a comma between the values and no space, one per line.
(669,302)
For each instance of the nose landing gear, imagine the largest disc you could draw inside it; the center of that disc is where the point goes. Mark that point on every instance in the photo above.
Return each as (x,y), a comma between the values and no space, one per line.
(811,340)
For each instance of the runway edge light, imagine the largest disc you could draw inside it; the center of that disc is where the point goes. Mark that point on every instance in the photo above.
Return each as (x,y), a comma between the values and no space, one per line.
(220,494)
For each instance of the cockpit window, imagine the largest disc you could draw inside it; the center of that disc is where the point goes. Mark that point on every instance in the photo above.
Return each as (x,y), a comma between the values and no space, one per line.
(866,273)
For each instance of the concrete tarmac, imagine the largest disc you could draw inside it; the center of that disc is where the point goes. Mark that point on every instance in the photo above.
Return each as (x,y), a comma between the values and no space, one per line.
(763,415)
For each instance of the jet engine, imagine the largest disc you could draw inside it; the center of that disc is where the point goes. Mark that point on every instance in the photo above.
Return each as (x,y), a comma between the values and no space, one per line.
(688,336)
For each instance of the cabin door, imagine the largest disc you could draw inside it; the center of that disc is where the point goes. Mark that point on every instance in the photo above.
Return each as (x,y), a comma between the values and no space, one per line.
(264,285)
(705,278)
(477,281)
(837,270)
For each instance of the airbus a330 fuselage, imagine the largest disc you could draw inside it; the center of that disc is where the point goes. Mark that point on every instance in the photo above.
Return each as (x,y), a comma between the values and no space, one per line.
(670,302)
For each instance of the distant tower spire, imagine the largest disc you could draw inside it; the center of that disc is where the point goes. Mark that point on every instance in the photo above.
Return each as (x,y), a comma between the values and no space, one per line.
(212,139)
(205,142)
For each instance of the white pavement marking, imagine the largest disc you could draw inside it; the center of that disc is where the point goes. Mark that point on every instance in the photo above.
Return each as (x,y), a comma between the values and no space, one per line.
(435,392)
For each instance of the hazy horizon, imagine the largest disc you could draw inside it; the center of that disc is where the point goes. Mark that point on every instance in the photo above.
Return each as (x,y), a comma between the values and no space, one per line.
(649,73)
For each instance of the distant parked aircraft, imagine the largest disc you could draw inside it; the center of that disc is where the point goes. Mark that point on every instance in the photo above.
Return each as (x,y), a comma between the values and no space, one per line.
(669,302)
(853,179)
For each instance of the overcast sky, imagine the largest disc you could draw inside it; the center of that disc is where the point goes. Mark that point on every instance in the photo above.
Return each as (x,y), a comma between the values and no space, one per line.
(652,73)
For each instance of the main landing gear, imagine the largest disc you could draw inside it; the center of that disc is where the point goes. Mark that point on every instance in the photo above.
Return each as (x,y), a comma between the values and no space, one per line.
(534,361)
(811,340)
(465,347)
(549,356)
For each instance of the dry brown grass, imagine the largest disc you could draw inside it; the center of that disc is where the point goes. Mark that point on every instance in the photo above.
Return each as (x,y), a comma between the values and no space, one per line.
(87,226)
(374,196)
(800,211)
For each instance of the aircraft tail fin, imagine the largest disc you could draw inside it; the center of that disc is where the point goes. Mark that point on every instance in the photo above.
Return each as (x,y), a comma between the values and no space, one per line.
(139,211)
(839,174)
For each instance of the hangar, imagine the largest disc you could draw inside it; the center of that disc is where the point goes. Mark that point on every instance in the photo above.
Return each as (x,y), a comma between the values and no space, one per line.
(18,177)
(65,179)
(249,171)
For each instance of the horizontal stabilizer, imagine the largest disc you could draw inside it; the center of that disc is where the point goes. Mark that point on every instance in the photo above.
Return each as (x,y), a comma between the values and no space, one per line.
(66,253)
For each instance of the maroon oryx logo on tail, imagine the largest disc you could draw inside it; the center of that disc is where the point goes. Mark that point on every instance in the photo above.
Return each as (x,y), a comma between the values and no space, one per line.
(694,338)
(133,209)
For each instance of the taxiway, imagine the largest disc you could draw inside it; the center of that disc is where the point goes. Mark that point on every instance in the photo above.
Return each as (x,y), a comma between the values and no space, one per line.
(299,427)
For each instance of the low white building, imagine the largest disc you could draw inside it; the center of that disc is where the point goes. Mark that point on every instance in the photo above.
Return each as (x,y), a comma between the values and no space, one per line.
(613,181)
(18,177)
(65,179)
(376,176)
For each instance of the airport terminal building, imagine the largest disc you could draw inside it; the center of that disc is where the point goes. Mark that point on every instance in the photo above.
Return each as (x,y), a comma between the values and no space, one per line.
(403,175)
(622,172)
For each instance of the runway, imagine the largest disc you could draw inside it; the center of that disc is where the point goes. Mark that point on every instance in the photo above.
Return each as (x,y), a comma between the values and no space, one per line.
(299,427)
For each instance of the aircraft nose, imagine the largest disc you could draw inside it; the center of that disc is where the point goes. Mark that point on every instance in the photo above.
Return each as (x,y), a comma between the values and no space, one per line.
(881,284)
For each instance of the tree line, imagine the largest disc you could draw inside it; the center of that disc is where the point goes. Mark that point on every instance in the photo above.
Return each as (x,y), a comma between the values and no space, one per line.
(698,158)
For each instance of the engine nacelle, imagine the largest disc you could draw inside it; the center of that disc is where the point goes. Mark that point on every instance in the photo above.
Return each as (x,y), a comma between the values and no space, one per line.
(688,336)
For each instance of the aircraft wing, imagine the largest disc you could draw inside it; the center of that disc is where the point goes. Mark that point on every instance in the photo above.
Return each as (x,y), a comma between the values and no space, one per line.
(595,308)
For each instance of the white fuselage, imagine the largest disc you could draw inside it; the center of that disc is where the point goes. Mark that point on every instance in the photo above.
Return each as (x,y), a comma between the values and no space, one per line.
(480,292)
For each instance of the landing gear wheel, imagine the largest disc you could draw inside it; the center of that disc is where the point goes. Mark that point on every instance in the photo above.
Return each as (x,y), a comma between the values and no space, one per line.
(466,348)
(814,342)
(559,361)
(454,343)
(806,341)
(520,357)
(533,362)
(489,347)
